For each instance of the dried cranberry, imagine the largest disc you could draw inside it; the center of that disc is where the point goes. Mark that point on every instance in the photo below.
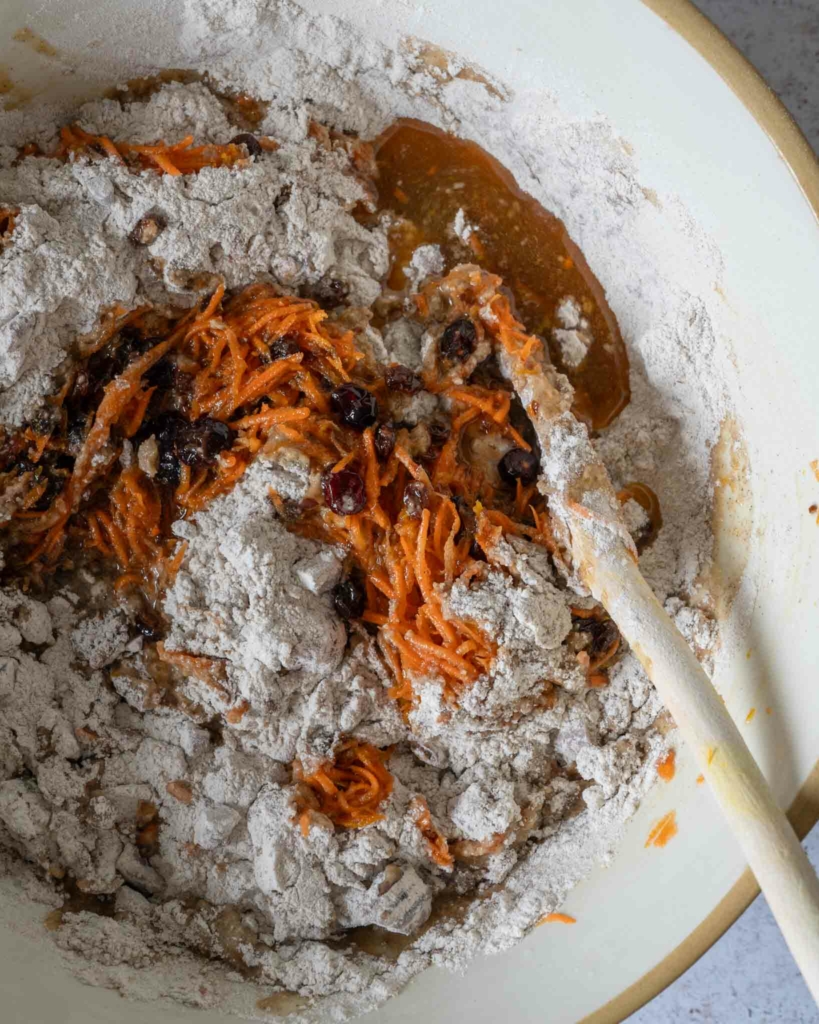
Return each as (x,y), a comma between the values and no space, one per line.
(401,378)
(459,340)
(384,441)
(357,406)
(349,599)
(200,442)
(284,347)
(416,499)
(518,464)
(250,142)
(344,492)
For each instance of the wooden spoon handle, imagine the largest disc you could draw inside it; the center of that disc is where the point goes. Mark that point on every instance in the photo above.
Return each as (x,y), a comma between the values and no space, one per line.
(768,841)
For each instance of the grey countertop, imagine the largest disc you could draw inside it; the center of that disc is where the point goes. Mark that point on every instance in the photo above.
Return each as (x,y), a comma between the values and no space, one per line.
(749,975)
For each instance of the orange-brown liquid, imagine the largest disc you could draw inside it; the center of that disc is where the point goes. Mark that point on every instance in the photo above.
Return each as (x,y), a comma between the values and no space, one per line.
(427,175)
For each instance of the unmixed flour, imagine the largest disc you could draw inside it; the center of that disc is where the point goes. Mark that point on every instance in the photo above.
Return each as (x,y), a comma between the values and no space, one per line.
(76,685)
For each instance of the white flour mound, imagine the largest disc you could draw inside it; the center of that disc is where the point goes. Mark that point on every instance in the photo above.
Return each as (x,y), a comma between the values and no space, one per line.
(82,744)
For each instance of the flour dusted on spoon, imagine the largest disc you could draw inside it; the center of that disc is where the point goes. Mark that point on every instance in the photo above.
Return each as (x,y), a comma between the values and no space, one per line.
(530,774)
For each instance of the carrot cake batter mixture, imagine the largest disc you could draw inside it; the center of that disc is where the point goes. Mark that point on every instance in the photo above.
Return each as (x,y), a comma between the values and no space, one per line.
(299,693)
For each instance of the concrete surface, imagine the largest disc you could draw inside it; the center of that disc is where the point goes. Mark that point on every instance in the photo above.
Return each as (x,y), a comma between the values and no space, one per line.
(749,975)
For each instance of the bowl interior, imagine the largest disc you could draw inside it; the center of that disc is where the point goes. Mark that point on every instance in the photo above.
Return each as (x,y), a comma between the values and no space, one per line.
(691,138)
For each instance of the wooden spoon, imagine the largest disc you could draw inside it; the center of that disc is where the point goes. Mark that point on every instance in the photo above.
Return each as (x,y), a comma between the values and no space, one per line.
(587,513)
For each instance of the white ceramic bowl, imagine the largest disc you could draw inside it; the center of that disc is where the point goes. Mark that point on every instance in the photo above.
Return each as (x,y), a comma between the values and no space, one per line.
(702,125)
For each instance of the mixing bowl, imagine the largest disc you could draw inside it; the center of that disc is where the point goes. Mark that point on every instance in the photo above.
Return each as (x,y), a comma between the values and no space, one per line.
(703,127)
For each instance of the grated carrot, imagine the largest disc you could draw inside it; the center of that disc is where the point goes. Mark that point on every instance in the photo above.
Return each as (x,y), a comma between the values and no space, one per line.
(350,789)
(437,844)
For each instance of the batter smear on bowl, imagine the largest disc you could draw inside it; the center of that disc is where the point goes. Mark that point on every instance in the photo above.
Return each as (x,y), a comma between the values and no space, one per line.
(297,680)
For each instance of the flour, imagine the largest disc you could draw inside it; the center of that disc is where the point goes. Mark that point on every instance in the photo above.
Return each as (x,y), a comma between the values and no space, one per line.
(86,748)
(462,228)
(284,218)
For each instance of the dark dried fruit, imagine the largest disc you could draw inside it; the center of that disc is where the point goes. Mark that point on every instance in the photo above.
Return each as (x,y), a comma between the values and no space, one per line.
(384,441)
(148,228)
(438,433)
(161,375)
(357,407)
(168,469)
(148,628)
(250,142)
(344,492)
(605,638)
(401,378)
(201,441)
(284,347)
(459,340)
(109,362)
(349,599)
(195,444)
(518,464)
(76,429)
(416,499)
(54,485)
(167,429)
(46,420)
(329,293)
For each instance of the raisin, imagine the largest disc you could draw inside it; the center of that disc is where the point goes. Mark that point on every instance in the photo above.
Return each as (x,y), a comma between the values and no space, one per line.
(148,228)
(162,375)
(168,470)
(200,442)
(416,499)
(384,441)
(45,421)
(249,141)
(603,635)
(167,429)
(284,347)
(459,340)
(54,485)
(344,492)
(329,292)
(401,378)
(81,387)
(349,599)
(357,407)
(148,627)
(438,433)
(518,464)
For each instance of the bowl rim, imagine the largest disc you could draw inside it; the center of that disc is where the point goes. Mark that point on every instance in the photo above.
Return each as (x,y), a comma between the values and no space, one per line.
(786,136)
